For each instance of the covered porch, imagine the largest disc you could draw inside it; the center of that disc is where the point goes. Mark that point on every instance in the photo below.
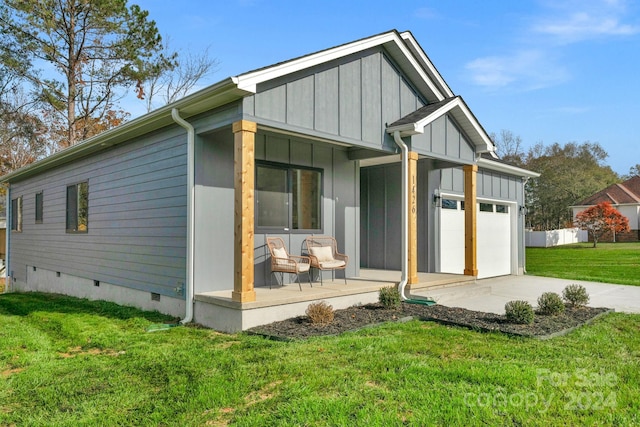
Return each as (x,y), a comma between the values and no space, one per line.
(282,302)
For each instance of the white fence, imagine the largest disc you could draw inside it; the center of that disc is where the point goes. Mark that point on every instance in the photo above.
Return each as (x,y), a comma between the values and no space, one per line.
(545,239)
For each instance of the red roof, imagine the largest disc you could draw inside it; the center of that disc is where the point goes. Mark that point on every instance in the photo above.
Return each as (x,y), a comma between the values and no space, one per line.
(616,194)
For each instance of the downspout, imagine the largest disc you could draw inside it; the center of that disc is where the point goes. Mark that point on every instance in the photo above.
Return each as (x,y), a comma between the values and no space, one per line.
(524,226)
(175,114)
(404,256)
(7,234)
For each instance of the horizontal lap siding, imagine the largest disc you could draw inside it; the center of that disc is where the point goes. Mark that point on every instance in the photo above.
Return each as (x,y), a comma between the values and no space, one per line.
(137,217)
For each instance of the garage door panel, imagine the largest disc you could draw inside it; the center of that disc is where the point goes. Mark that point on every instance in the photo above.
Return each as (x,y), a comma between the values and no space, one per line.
(452,241)
(493,242)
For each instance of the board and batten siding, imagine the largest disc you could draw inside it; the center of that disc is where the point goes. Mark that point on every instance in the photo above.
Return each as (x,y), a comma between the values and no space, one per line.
(381,216)
(490,184)
(137,217)
(348,100)
(443,140)
(340,200)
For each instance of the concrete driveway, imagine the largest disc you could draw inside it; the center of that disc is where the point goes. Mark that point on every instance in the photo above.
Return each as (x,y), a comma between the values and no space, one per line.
(490,295)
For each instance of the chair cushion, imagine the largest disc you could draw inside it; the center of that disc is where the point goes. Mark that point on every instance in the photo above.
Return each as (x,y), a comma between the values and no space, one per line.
(280,253)
(323,253)
(328,265)
(303,267)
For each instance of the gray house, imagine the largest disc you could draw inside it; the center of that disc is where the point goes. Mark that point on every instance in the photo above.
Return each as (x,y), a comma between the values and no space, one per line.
(364,142)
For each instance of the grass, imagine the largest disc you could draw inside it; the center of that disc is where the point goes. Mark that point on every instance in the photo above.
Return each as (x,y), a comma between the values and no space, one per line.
(69,362)
(608,262)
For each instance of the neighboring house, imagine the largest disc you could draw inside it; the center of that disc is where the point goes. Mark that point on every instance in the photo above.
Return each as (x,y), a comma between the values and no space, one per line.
(625,197)
(175,206)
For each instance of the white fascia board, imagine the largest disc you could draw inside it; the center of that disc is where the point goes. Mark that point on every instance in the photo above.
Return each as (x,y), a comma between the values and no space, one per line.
(250,81)
(502,167)
(426,63)
(462,114)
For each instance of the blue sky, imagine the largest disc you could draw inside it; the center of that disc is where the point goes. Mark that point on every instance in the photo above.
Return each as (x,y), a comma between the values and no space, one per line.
(547,70)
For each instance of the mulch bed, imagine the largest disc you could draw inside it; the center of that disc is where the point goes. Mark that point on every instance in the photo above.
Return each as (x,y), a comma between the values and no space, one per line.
(358,317)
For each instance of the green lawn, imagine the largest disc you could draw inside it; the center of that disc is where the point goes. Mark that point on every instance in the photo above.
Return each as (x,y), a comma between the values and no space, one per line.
(608,262)
(65,361)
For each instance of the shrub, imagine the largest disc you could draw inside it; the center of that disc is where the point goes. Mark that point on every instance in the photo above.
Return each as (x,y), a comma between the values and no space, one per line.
(519,312)
(550,303)
(575,295)
(389,297)
(320,313)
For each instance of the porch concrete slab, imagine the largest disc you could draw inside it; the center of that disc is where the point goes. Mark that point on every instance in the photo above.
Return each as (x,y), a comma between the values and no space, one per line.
(218,311)
(490,295)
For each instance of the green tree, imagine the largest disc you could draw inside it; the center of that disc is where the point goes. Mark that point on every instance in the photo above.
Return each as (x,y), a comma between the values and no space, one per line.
(569,173)
(90,48)
(633,171)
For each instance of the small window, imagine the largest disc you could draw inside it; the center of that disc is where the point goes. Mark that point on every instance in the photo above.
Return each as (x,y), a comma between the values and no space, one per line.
(39,206)
(288,197)
(78,208)
(16,214)
(461,205)
(486,207)
(449,204)
(502,209)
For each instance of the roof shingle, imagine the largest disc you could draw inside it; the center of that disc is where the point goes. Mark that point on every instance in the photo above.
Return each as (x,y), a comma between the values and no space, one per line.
(626,192)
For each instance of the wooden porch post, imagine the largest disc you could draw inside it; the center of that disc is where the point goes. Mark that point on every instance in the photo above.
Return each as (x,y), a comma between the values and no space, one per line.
(244,133)
(470,221)
(413,218)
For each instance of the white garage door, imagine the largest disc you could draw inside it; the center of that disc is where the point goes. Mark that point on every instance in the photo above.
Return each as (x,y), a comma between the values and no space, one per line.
(451,237)
(493,238)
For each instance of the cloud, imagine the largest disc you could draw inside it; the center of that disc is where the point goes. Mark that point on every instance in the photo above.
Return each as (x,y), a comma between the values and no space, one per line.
(536,59)
(526,69)
(577,21)
(570,110)
(427,13)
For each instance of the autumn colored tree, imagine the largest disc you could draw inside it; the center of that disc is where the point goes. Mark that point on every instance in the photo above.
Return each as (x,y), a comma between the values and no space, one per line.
(600,219)
(89,48)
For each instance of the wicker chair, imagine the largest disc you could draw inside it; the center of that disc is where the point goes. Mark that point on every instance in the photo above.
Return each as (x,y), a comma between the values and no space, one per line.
(323,251)
(282,262)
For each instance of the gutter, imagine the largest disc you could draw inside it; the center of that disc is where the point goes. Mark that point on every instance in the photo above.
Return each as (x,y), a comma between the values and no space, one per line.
(208,98)
(404,251)
(505,168)
(175,114)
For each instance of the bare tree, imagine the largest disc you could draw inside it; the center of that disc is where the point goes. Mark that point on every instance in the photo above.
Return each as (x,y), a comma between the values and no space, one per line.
(508,147)
(22,132)
(173,85)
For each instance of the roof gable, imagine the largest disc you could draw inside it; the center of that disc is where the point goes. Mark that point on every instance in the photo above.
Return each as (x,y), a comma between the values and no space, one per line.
(401,47)
(627,192)
(416,122)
